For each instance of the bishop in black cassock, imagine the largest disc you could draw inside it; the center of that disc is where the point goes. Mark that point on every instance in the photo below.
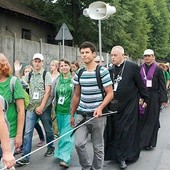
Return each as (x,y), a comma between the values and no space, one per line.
(122,137)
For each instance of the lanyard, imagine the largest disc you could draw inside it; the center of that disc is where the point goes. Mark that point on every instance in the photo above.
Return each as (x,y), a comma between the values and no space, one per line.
(119,77)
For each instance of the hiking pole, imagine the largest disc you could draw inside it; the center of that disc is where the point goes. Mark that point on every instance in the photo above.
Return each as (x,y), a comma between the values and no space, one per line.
(104,114)
(85,118)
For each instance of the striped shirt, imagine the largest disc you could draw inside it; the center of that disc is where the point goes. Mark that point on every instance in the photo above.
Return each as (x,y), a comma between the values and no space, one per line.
(91,95)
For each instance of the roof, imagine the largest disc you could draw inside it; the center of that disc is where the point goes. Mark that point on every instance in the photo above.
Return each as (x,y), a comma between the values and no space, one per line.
(17,7)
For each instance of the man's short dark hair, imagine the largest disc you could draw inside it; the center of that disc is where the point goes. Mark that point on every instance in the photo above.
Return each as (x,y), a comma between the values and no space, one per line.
(88,44)
(65,61)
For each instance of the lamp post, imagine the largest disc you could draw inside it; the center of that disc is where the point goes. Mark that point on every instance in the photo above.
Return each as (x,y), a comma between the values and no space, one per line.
(99,11)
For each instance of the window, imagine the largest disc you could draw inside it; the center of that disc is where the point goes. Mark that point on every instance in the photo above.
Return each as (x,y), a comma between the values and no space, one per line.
(26,34)
(50,39)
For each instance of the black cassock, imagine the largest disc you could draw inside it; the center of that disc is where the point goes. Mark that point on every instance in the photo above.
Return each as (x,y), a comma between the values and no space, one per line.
(122,137)
(150,120)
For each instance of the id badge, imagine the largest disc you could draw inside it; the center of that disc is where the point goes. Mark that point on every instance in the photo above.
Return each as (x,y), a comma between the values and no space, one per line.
(149,83)
(36,95)
(115,86)
(61,100)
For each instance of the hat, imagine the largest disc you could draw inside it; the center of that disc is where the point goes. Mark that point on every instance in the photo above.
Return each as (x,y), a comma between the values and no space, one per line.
(39,56)
(98,58)
(167,64)
(148,52)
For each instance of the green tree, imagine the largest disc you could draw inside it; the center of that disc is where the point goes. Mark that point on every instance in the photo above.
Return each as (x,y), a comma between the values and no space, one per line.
(129,27)
(159,16)
(138,27)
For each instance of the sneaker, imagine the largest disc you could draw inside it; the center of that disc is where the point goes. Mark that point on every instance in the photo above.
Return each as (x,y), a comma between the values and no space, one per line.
(50,152)
(23,162)
(64,164)
(122,165)
(40,143)
(149,148)
(56,136)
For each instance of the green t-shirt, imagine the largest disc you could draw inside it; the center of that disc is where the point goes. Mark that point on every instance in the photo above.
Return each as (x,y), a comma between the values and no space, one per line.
(166,76)
(64,93)
(12,110)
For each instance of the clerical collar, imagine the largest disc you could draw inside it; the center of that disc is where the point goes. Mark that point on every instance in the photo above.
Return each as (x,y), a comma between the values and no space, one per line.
(120,63)
(148,65)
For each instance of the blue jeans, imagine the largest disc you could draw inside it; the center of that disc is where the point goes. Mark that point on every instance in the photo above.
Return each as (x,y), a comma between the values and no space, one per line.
(31,120)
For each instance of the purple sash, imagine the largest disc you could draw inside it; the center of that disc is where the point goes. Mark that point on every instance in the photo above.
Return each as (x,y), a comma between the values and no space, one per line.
(141,109)
(150,73)
(146,77)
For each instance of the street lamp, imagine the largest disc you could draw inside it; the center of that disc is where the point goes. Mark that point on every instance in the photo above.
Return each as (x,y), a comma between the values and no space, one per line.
(99,11)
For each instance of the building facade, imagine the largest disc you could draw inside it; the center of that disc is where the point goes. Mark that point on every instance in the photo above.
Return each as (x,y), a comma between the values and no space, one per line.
(24,23)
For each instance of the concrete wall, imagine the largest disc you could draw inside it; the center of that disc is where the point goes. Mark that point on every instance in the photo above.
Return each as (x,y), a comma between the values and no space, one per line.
(23,50)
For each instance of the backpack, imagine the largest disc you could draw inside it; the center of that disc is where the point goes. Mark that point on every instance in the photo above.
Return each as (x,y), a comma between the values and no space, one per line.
(99,81)
(4,104)
(4,108)
(12,87)
(113,104)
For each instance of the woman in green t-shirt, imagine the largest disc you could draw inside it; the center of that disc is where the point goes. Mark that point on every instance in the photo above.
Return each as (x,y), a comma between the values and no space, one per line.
(15,113)
(64,90)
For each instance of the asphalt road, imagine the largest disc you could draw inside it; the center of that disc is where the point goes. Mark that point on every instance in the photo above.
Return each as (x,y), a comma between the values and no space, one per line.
(157,159)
